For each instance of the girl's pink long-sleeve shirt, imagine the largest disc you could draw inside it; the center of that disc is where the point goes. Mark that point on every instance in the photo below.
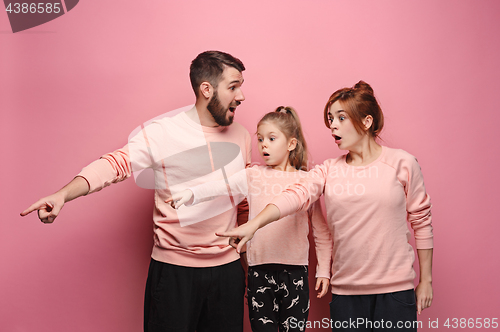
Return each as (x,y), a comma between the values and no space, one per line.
(367,211)
(286,240)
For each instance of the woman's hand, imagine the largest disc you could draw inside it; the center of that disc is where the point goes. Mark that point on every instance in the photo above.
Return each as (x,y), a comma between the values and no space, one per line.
(423,292)
(239,236)
(322,284)
(179,199)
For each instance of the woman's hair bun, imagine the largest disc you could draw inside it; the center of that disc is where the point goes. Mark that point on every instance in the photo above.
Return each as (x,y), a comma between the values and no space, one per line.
(363,86)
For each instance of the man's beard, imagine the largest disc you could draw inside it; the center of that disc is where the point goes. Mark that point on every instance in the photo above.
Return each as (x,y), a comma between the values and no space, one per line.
(218,112)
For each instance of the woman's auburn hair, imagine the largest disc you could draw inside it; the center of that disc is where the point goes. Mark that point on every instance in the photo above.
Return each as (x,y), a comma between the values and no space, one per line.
(358,102)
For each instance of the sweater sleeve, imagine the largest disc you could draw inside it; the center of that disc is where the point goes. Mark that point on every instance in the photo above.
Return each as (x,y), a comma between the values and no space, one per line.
(119,165)
(110,168)
(322,241)
(300,196)
(418,202)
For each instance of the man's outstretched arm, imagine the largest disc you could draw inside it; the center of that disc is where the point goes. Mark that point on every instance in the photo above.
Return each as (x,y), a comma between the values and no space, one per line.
(50,206)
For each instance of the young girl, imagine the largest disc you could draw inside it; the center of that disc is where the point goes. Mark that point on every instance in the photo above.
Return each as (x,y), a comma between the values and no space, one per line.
(370,194)
(278,291)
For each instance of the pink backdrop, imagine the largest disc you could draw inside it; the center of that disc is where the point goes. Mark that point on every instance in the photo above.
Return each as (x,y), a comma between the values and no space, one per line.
(74,88)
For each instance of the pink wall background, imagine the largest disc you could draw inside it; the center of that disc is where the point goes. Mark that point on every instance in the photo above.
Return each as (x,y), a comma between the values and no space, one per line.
(74,88)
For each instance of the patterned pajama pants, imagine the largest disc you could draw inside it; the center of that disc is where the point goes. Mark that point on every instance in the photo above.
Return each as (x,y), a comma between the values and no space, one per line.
(278,299)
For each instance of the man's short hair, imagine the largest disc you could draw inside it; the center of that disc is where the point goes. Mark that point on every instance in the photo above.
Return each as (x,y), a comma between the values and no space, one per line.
(208,67)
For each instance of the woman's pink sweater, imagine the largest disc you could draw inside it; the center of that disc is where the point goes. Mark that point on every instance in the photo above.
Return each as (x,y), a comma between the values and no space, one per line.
(367,211)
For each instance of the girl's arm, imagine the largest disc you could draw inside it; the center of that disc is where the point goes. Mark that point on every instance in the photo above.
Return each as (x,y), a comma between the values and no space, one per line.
(236,185)
(322,284)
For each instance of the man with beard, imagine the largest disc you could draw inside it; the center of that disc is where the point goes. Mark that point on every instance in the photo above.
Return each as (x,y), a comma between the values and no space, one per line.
(195,280)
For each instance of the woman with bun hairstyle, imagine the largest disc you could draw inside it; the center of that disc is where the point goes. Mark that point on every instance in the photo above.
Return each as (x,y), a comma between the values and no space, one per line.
(370,194)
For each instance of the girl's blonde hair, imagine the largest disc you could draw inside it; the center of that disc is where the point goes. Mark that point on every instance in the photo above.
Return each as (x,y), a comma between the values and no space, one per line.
(287,120)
